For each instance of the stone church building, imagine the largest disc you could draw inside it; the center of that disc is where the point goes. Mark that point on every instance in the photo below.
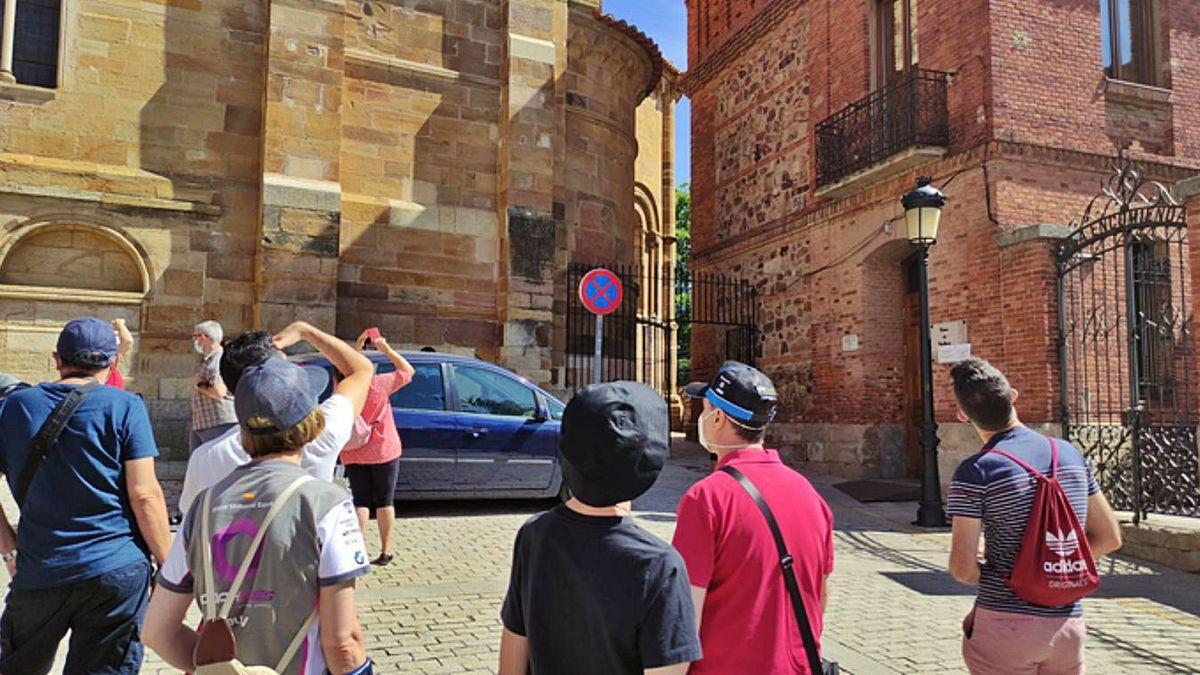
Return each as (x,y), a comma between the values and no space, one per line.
(430,167)
(812,119)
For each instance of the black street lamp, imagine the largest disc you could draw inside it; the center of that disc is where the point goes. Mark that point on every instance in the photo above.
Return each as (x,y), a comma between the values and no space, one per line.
(923,211)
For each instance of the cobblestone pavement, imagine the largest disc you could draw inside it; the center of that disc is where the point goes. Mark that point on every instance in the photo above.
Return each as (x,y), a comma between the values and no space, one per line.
(893,608)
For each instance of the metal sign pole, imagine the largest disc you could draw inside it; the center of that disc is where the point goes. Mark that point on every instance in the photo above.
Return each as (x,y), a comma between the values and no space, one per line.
(599,348)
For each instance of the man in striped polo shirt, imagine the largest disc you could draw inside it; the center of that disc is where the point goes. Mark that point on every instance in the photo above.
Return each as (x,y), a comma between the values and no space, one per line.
(993,495)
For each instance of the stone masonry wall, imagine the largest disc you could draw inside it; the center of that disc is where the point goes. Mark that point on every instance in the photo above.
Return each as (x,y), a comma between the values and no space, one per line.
(152,137)
(420,236)
(399,164)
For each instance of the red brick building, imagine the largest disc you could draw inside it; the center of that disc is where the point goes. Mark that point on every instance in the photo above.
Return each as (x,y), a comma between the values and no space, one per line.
(811,120)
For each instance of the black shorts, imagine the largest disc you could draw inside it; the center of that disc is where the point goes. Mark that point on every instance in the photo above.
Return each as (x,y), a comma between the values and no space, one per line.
(373,486)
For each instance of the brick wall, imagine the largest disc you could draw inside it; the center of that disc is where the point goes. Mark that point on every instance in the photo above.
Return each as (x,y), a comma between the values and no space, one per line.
(1052,86)
(1030,143)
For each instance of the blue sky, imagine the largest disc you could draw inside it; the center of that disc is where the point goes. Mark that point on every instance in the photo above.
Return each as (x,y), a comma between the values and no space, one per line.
(666,22)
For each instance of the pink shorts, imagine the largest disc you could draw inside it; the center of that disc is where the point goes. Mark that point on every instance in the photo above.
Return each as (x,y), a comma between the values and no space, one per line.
(1001,643)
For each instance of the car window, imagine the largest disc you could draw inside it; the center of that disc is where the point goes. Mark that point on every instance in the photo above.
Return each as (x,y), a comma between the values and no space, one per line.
(556,408)
(490,393)
(425,392)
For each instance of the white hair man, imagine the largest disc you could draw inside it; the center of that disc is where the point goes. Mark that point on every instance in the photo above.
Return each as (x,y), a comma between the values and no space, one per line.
(212,402)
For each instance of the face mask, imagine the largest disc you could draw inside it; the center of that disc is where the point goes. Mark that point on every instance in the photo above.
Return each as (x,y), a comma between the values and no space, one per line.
(704,442)
(197,346)
(700,430)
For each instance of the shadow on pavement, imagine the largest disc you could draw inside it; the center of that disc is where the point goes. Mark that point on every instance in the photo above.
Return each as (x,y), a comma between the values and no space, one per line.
(453,508)
(930,583)
(1150,660)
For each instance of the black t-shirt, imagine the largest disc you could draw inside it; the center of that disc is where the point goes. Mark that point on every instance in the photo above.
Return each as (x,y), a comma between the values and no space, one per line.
(598,595)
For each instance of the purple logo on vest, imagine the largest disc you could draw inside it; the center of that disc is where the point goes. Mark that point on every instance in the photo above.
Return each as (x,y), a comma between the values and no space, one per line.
(226,568)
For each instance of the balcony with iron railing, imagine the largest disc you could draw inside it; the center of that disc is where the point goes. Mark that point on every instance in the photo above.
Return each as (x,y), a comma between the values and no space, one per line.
(898,126)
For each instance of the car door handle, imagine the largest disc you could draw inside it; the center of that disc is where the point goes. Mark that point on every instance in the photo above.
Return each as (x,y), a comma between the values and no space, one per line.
(478,433)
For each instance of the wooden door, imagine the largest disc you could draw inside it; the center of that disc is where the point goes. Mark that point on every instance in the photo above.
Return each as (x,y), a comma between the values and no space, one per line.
(895,45)
(912,372)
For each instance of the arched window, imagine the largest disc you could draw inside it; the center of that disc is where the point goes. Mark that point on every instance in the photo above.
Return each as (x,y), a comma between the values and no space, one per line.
(75,257)
(51,272)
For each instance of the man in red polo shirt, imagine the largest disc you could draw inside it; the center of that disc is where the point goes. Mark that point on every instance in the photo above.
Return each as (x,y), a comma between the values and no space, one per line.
(747,624)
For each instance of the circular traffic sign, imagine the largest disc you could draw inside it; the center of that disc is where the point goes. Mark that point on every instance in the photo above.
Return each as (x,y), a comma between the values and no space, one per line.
(600,291)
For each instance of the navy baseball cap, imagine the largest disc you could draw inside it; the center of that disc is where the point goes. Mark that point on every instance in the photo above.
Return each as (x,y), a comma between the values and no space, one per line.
(277,394)
(614,441)
(740,391)
(87,342)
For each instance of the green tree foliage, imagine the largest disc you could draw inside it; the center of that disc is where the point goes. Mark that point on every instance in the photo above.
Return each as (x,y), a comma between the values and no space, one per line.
(683,293)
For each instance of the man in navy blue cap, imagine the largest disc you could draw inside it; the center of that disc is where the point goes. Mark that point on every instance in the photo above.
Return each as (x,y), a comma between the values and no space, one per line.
(747,624)
(92,513)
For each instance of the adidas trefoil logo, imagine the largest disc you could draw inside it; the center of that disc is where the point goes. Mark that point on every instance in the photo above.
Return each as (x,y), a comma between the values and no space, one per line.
(1062,544)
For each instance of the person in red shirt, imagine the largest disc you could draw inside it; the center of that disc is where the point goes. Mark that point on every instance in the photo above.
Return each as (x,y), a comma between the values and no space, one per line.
(124,349)
(747,622)
(372,466)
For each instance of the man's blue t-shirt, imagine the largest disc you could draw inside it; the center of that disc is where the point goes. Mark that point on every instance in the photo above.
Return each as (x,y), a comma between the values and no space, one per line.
(1000,492)
(76,522)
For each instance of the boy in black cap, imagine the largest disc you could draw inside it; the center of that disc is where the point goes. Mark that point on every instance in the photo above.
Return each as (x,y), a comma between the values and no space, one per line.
(591,591)
(747,620)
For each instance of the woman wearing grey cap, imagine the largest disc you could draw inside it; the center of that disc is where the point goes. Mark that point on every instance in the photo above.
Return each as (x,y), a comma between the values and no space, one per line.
(265,546)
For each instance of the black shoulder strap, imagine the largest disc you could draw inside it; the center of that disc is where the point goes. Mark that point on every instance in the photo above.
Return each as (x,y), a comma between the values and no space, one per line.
(45,438)
(789,575)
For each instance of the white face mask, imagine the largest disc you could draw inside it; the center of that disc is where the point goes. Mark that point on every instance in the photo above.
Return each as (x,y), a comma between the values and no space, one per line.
(197,346)
(700,430)
(703,438)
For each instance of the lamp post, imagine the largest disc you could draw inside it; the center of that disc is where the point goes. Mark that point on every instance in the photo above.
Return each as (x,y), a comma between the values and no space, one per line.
(923,212)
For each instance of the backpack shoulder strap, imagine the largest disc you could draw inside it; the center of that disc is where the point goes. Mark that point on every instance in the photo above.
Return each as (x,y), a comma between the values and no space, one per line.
(294,645)
(48,435)
(210,609)
(236,588)
(1025,465)
(1019,461)
(210,590)
(785,563)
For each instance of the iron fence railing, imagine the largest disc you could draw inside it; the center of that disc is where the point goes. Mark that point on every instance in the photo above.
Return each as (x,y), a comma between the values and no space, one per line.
(908,113)
(639,341)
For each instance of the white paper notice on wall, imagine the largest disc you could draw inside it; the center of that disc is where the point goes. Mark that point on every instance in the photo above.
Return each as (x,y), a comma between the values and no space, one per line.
(849,343)
(954,353)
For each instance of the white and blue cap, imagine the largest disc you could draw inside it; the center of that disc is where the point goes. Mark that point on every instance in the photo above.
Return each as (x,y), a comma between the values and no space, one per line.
(740,391)
(276,395)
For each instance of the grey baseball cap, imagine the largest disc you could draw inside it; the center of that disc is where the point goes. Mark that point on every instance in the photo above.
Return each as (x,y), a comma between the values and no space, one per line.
(276,395)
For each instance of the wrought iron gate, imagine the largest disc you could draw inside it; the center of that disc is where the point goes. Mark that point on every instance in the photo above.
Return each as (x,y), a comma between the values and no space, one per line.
(639,338)
(1125,344)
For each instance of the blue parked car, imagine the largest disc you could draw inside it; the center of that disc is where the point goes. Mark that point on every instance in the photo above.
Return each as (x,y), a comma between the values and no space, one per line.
(470,429)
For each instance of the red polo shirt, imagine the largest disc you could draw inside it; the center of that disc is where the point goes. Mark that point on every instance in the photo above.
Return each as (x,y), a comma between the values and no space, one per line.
(748,625)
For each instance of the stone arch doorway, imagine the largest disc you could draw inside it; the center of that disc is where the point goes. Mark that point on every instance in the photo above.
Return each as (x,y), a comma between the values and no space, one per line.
(54,270)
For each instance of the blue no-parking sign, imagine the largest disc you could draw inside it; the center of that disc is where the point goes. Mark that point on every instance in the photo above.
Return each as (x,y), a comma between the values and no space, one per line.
(600,292)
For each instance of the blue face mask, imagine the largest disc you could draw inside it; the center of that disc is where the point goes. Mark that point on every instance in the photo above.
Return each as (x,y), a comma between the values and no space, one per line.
(197,346)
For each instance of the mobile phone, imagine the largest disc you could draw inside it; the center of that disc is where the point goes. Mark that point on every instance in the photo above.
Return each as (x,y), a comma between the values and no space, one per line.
(372,336)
